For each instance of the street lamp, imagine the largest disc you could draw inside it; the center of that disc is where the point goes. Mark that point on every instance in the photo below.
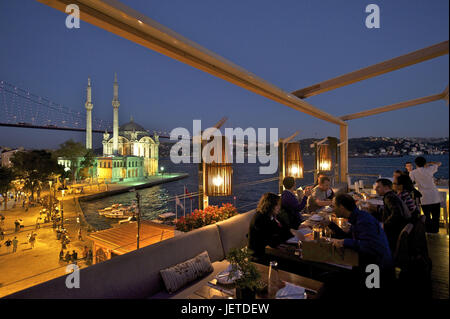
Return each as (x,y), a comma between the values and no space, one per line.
(50,199)
(61,208)
(162,170)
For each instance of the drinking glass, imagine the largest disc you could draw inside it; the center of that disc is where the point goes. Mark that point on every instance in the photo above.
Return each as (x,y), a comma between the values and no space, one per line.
(273,279)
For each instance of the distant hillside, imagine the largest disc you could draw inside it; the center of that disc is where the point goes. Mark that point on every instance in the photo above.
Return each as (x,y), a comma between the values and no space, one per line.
(369,146)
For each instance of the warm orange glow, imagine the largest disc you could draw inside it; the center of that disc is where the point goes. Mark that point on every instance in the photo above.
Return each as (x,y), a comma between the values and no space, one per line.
(294,160)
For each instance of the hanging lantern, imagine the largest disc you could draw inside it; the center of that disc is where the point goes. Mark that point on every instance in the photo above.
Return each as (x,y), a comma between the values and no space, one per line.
(294,160)
(219,173)
(324,157)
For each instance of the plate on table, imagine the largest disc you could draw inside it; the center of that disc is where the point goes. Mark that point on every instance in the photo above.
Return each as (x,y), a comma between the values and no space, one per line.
(327,209)
(224,278)
(291,291)
(316,218)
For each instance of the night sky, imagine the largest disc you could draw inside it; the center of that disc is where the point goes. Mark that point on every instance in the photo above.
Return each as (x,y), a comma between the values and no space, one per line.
(292,44)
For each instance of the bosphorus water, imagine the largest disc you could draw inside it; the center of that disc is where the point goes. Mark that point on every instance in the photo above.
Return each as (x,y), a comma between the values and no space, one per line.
(160,199)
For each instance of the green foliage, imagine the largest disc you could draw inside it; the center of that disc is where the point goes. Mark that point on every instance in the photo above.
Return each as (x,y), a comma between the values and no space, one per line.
(240,260)
(34,167)
(73,151)
(6,178)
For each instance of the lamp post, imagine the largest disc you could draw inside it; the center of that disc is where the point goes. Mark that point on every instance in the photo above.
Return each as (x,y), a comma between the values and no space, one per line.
(162,170)
(138,208)
(50,199)
(61,206)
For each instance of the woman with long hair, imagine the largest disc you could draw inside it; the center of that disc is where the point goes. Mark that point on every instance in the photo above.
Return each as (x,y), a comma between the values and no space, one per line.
(265,229)
(404,187)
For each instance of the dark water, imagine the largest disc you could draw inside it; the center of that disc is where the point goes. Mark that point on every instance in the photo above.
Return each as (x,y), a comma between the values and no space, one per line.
(159,199)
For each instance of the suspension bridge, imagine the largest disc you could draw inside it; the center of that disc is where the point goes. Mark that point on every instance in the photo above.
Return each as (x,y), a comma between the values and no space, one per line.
(21,108)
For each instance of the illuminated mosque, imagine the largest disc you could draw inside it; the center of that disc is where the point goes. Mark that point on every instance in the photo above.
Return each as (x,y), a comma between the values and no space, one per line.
(131,153)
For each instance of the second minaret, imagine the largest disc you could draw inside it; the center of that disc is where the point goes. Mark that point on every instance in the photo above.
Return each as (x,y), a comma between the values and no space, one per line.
(89,107)
(115,104)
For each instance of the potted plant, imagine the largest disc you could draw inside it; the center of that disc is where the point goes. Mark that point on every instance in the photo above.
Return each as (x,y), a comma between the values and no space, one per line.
(248,280)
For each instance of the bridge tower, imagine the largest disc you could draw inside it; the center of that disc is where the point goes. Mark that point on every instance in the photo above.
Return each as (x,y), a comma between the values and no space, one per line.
(115,104)
(89,107)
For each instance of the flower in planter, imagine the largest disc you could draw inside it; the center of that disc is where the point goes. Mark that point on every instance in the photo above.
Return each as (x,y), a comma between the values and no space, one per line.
(210,215)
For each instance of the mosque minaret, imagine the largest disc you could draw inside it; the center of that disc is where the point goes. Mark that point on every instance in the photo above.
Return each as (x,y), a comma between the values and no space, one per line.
(89,107)
(115,104)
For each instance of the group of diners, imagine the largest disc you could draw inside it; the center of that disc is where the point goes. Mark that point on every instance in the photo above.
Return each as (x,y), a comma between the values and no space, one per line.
(374,232)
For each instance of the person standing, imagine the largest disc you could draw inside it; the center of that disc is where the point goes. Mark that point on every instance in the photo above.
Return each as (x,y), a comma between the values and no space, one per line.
(67,257)
(17,226)
(394,215)
(32,240)
(74,256)
(431,199)
(8,245)
(80,237)
(408,167)
(14,244)
(2,234)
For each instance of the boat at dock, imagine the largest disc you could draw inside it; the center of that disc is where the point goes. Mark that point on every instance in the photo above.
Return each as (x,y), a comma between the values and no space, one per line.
(118,211)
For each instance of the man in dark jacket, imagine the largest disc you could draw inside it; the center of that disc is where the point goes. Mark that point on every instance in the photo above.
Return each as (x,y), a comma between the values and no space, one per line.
(365,236)
(290,215)
(368,239)
(394,214)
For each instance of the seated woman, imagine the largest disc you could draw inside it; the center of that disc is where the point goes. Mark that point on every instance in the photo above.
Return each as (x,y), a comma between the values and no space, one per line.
(403,186)
(265,229)
(291,206)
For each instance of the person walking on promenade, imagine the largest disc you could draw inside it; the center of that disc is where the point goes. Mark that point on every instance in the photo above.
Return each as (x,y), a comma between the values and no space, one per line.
(74,257)
(8,245)
(14,244)
(90,257)
(61,255)
(68,257)
(32,240)
(17,226)
(2,234)
(38,225)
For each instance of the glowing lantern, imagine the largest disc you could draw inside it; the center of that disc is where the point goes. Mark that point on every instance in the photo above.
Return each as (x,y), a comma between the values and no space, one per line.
(294,160)
(219,173)
(324,157)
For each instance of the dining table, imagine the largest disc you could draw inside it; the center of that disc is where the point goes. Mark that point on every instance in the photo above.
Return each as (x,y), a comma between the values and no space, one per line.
(215,290)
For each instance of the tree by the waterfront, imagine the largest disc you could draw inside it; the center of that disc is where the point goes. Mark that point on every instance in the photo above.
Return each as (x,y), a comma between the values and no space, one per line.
(6,178)
(74,151)
(35,167)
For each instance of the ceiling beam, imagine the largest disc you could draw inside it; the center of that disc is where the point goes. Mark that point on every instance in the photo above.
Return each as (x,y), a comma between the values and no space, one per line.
(123,21)
(399,62)
(392,107)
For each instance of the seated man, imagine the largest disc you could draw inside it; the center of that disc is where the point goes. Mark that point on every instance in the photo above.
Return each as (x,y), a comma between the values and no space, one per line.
(321,195)
(290,204)
(394,215)
(367,238)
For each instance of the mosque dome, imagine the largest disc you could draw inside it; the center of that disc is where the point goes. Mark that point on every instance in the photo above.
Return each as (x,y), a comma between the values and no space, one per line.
(130,127)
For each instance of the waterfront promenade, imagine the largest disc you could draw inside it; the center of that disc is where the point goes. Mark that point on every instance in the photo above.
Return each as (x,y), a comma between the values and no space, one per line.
(30,266)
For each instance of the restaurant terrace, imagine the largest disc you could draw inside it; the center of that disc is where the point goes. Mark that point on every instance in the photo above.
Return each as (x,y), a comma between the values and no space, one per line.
(143,266)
